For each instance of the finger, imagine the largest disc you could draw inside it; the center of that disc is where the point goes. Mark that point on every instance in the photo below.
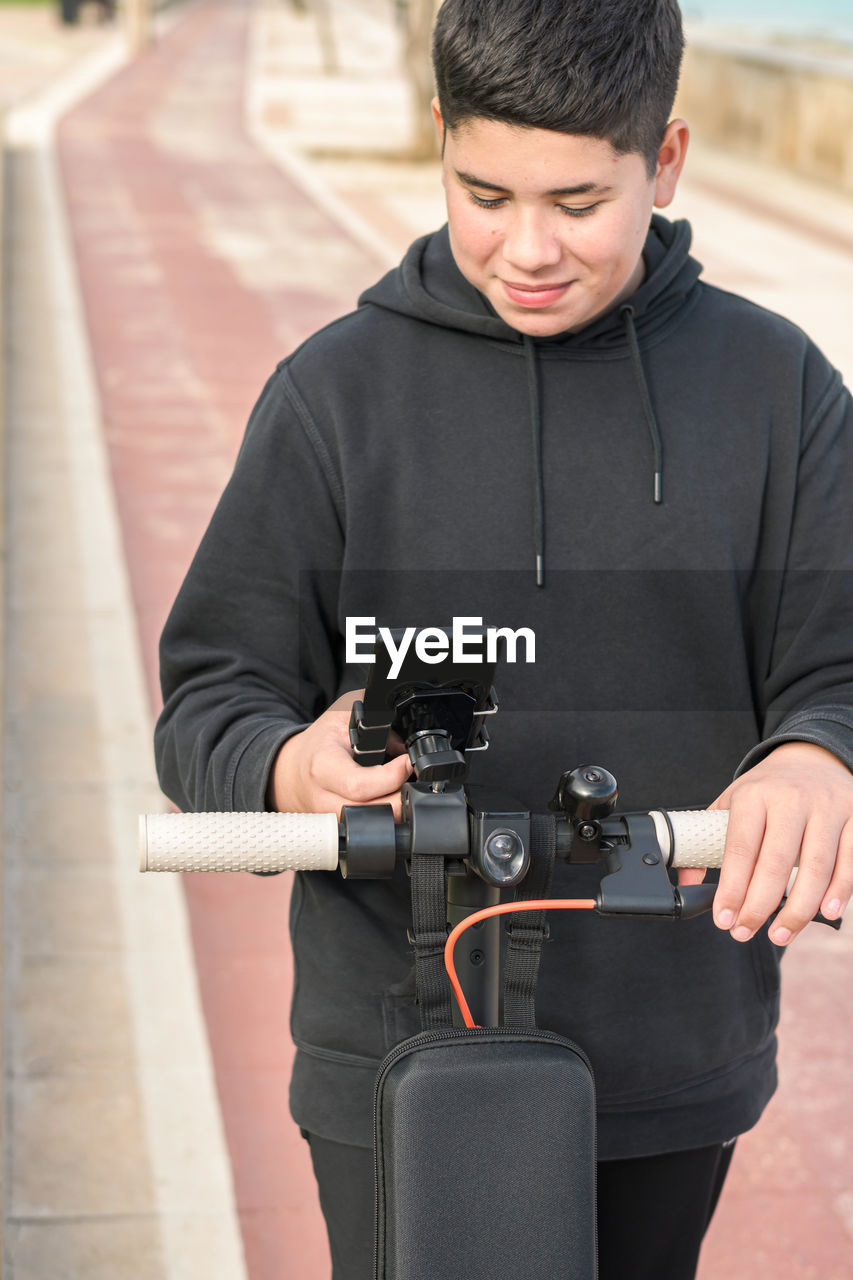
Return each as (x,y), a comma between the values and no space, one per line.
(323,801)
(747,822)
(818,858)
(777,857)
(364,784)
(331,802)
(840,891)
(334,771)
(691,875)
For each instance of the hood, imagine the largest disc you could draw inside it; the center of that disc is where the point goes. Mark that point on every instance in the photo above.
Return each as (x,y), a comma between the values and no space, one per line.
(428,286)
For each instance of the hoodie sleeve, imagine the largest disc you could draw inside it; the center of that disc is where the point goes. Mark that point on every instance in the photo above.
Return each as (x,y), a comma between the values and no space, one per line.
(807,687)
(249,654)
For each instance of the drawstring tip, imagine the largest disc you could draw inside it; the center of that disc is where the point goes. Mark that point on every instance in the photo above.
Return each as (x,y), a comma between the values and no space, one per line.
(658,487)
(540,571)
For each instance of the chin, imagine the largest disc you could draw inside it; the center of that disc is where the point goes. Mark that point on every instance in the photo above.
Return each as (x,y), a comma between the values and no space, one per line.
(542,326)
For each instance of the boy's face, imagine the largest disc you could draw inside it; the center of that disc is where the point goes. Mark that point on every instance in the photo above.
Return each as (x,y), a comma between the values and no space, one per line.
(551,226)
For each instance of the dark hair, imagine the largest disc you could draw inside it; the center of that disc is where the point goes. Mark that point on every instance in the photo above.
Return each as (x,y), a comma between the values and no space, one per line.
(599,68)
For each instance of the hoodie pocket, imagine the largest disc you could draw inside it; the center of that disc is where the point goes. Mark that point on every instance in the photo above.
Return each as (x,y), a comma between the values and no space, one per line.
(658,1006)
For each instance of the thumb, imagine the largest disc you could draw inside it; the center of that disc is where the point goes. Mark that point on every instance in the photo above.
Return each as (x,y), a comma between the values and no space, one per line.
(396,770)
(367,784)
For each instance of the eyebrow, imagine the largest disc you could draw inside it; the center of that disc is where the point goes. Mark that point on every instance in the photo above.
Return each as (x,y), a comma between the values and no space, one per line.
(582,188)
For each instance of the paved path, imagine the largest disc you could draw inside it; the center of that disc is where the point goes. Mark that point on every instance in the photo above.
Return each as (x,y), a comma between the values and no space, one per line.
(114,1163)
(225,198)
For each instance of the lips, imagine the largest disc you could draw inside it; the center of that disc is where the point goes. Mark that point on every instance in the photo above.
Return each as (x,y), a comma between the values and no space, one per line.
(535,296)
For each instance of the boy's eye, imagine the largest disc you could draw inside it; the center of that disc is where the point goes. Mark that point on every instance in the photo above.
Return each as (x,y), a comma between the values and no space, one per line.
(583,212)
(483,203)
(495,202)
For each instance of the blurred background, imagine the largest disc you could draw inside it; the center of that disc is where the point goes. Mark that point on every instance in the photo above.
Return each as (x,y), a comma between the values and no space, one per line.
(190,190)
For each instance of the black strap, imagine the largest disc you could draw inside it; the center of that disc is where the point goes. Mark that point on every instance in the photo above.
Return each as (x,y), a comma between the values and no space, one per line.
(528,929)
(429,918)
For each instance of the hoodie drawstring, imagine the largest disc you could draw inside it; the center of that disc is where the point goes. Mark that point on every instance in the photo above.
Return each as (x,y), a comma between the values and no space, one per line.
(530,359)
(538,475)
(627,313)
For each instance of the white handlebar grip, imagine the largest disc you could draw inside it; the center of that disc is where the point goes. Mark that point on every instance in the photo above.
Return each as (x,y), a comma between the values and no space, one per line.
(698,836)
(238,842)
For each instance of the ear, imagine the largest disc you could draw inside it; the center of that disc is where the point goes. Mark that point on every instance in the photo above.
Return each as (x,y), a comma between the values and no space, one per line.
(671,157)
(439,123)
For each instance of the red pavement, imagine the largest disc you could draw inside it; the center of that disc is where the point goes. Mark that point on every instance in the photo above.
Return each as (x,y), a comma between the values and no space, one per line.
(158,171)
(168,201)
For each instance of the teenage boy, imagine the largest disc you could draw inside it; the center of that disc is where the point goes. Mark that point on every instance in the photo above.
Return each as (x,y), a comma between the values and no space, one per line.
(546,419)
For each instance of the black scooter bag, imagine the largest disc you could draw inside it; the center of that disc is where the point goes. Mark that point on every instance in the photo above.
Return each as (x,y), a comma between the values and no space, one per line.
(485,1157)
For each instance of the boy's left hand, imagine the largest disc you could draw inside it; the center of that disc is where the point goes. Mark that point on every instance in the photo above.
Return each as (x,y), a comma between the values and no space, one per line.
(794,805)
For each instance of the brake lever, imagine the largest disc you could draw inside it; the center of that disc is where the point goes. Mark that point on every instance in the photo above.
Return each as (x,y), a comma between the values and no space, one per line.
(692,901)
(636,881)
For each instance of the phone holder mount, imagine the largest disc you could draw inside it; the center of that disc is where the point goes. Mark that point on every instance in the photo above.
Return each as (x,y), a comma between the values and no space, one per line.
(438,722)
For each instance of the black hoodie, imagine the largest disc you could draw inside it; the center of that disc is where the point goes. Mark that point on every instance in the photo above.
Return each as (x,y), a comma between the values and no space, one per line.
(678,476)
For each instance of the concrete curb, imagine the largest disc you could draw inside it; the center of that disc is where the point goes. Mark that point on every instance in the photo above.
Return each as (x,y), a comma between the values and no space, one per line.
(16,124)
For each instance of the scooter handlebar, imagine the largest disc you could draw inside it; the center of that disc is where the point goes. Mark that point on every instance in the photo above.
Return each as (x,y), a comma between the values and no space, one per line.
(271,842)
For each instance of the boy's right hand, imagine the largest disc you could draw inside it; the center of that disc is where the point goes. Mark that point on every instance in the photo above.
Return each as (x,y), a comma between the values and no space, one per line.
(314,772)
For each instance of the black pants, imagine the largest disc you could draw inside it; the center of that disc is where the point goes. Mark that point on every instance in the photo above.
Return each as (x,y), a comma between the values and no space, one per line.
(652,1212)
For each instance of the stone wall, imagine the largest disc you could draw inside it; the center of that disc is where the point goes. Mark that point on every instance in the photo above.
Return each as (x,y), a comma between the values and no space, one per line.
(777,105)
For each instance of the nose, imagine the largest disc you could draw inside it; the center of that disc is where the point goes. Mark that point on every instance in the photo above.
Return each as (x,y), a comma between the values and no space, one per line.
(530,243)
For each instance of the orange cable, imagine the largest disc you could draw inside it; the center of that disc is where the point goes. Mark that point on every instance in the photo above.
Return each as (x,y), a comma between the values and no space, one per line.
(504,909)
